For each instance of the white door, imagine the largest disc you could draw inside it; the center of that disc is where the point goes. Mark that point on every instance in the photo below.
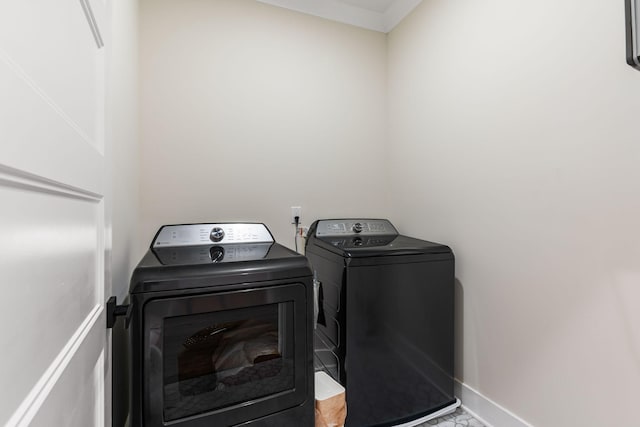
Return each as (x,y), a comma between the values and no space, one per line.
(52,213)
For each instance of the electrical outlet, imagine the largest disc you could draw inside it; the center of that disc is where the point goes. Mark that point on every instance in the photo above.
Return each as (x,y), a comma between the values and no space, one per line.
(296,211)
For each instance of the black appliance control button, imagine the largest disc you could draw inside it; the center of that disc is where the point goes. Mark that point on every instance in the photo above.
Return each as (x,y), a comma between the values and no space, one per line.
(357,227)
(358,241)
(217,234)
(217,253)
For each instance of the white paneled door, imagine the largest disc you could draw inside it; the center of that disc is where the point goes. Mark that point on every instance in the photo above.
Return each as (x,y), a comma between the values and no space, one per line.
(52,213)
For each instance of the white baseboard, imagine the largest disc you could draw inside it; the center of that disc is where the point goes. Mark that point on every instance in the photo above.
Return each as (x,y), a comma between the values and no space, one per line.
(486,410)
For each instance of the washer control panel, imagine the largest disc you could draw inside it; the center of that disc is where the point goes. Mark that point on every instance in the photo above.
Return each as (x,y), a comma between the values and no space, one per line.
(206,234)
(362,227)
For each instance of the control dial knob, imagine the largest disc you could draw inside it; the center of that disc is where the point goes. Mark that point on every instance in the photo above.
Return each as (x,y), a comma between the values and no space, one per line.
(217,253)
(357,227)
(217,234)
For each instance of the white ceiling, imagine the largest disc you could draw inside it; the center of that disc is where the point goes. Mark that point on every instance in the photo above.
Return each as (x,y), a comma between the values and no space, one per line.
(377,15)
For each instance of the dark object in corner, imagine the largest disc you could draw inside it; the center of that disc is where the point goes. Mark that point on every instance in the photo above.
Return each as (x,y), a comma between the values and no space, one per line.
(632,18)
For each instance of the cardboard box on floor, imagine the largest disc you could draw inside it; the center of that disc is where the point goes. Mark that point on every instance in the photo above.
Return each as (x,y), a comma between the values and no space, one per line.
(331,402)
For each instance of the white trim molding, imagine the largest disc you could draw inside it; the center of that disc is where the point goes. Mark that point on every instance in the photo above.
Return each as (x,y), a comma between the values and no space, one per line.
(20,73)
(397,12)
(93,24)
(29,407)
(12,177)
(346,13)
(485,410)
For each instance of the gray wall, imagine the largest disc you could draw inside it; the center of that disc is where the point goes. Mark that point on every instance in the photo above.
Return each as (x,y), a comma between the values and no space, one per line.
(122,130)
(249,109)
(505,129)
(514,138)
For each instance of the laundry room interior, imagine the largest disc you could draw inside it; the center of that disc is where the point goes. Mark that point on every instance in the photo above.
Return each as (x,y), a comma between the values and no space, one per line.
(506,130)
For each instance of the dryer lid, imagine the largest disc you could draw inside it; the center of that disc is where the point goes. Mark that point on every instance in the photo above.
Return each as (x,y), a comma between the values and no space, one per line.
(185,256)
(189,267)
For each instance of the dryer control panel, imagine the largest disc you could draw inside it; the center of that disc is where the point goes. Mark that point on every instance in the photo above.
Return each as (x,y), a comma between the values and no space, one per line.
(206,234)
(354,226)
(207,254)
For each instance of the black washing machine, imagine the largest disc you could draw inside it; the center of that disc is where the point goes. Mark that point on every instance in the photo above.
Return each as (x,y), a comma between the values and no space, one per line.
(384,326)
(221,330)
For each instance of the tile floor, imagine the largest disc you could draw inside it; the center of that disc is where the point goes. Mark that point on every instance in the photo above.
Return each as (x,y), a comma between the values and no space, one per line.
(459,418)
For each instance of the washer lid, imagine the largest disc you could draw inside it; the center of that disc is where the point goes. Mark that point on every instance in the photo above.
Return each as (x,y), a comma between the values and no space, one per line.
(354,227)
(368,238)
(376,246)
